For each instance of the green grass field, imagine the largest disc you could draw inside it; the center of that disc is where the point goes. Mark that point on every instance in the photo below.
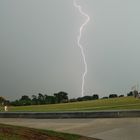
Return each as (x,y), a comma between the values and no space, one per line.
(101,104)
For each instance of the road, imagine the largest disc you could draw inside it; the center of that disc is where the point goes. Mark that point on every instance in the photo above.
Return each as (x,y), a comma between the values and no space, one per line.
(105,129)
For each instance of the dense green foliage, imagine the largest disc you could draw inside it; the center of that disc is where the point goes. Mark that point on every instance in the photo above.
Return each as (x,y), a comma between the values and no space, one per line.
(41,99)
(61,97)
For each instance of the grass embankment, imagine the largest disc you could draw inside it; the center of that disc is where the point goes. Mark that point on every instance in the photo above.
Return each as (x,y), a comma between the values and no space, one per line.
(8,132)
(101,104)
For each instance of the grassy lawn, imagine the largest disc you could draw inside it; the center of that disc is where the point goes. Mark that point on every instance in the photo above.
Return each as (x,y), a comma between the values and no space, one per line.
(101,104)
(8,132)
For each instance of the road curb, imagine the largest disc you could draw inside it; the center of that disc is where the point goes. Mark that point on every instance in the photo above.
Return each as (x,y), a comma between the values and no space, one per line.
(62,115)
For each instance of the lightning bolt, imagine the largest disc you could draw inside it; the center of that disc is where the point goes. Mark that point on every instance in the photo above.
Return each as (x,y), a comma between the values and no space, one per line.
(79,44)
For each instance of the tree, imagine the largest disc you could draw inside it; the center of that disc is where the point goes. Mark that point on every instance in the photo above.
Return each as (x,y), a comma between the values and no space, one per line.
(105,97)
(16,103)
(34,100)
(49,99)
(95,97)
(73,100)
(135,93)
(61,97)
(86,98)
(25,97)
(41,98)
(121,96)
(2,100)
(80,99)
(130,93)
(25,100)
(113,96)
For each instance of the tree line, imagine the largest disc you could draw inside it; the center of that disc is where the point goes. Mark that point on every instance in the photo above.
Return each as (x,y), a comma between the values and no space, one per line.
(60,97)
(42,99)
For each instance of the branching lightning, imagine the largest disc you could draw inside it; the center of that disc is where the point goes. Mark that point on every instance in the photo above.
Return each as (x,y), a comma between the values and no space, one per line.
(79,44)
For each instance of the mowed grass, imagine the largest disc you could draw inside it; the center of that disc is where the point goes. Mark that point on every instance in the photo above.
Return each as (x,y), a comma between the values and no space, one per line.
(101,104)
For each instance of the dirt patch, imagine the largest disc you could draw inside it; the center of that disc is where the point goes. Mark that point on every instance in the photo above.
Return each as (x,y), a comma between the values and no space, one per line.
(26,134)
(23,133)
(87,138)
(35,135)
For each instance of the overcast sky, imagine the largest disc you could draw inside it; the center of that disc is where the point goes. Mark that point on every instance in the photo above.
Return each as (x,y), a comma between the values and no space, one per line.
(39,52)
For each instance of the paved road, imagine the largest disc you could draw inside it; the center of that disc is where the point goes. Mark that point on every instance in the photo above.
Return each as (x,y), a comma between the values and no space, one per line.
(106,129)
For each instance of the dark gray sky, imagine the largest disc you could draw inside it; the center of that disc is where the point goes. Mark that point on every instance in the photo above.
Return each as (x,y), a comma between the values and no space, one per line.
(38,50)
